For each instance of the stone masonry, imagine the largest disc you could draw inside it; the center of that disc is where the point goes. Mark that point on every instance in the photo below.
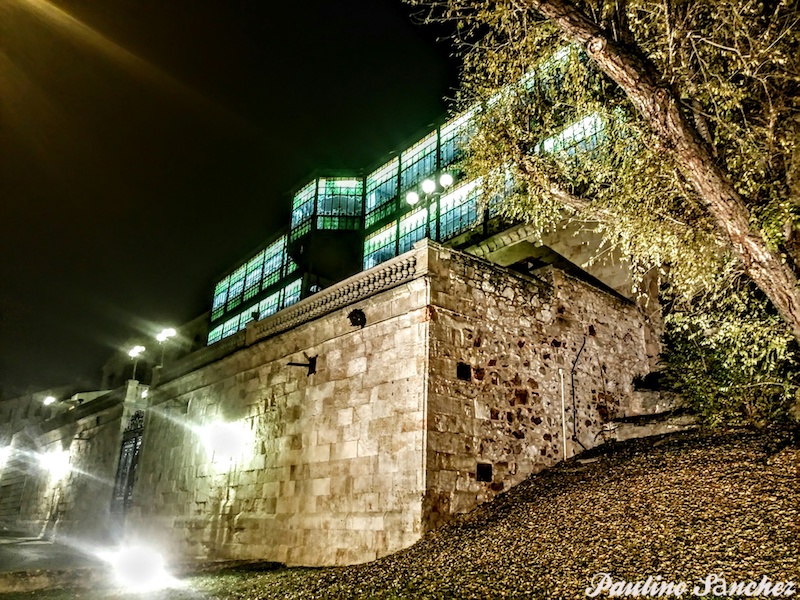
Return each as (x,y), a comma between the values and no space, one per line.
(459,385)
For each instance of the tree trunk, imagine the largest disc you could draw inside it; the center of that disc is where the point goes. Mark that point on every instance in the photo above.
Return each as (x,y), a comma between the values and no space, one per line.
(640,81)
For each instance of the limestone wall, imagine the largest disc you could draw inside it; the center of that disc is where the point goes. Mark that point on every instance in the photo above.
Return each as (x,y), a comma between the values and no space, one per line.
(330,471)
(499,345)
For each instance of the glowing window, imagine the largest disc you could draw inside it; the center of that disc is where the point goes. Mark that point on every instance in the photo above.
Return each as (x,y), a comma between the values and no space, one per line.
(418,162)
(236,287)
(291,266)
(459,210)
(230,327)
(220,297)
(582,136)
(380,245)
(274,257)
(215,334)
(303,210)
(291,293)
(246,316)
(381,192)
(253,278)
(454,136)
(550,72)
(413,227)
(339,203)
(270,305)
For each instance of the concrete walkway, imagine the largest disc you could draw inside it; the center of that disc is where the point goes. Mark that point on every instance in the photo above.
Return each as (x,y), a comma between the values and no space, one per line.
(29,563)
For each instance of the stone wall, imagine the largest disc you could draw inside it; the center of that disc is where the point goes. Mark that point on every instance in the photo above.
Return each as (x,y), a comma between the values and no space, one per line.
(502,352)
(331,471)
(74,506)
(457,380)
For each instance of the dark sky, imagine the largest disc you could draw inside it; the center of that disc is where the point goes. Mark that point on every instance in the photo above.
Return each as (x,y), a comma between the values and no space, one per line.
(147,145)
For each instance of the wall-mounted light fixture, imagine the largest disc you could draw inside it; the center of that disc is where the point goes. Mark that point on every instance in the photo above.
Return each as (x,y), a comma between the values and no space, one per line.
(311,365)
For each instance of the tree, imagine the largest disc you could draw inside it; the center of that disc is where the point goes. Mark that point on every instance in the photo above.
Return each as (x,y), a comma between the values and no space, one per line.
(705,163)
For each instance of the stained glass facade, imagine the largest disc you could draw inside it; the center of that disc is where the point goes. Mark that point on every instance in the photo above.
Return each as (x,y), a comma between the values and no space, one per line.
(258,285)
(375,206)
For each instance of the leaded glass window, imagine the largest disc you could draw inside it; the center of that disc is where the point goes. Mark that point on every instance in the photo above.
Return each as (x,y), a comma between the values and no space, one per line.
(454,137)
(270,305)
(274,257)
(253,278)
(236,287)
(381,192)
(303,210)
(215,334)
(418,162)
(459,210)
(230,327)
(339,203)
(582,136)
(291,266)
(220,297)
(291,293)
(380,245)
(413,228)
(246,316)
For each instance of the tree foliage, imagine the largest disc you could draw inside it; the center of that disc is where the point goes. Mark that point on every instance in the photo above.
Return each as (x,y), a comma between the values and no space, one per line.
(730,356)
(732,69)
(698,175)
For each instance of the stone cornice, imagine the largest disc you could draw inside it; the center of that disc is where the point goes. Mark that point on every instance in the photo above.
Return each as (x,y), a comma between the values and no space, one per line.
(385,276)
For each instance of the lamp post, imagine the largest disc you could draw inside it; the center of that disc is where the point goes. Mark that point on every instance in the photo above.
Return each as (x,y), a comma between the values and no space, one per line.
(431,188)
(134,354)
(162,339)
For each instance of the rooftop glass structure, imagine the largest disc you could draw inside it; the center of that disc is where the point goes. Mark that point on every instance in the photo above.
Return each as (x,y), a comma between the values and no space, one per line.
(383,213)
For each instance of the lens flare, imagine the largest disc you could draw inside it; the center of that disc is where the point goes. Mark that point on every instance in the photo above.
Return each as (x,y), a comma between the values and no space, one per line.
(55,462)
(139,569)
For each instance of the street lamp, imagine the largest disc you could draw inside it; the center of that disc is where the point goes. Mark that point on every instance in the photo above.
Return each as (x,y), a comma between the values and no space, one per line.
(431,188)
(162,338)
(134,354)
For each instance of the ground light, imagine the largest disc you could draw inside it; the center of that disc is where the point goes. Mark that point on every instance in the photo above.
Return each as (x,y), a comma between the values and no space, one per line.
(139,569)
(48,401)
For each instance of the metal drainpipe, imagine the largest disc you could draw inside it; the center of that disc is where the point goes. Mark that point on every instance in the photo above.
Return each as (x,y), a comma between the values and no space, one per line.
(563,415)
(574,406)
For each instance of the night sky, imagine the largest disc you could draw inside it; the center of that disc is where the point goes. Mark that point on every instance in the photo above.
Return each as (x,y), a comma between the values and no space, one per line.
(148,145)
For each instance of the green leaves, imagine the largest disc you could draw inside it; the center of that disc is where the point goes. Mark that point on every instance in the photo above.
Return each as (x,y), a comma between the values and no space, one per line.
(731,356)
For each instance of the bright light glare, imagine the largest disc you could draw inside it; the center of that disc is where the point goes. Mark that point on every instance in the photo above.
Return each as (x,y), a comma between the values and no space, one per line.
(224,440)
(445,180)
(5,454)
(48,401)
(428,186)
(139,569)
(136,351)
(55,462)
(412,198)
(166,334)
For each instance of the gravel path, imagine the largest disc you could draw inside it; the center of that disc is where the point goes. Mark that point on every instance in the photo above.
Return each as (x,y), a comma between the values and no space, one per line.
(681,508)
